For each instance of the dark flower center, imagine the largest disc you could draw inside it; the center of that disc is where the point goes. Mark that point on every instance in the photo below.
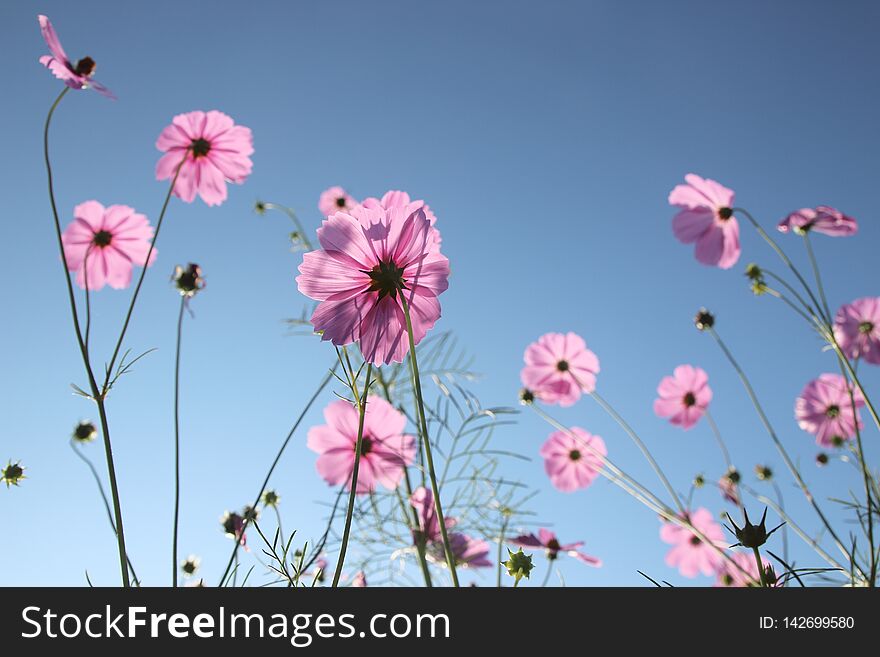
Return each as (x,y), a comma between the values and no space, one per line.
(832,411)
(725,213)
(366,445)
(200,147)
(102,238)
(695,540)
(85,67)
(189,567)
(689,399)
(727,579)
(562,366)
(340,202)
(387,279)
(574,455)
(866,327)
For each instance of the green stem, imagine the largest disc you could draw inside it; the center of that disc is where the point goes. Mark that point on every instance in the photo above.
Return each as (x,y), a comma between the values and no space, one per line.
(501,551)
(177,442)
(97,396)
(426,441)
(362,412)
(547,576)
(717,433)
(296,222)
(815,265)
(761,573)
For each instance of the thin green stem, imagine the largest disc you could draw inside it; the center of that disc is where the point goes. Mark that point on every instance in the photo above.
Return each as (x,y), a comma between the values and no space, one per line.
(177,441)
(97,395)
(815,265)
(426,440)
(362,412)
(301,233)
(762,574)
(324,382)
(501,551)
(547,576)
(717,433)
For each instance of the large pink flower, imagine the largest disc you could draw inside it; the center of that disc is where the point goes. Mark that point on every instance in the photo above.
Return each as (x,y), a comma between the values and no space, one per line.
(684,396)
(75,76)
(214,151)
(385,449)
(822,219)
(573,461)
(731,575)
(335,199)
(559,367)
(398,199)
(547,540)
(690,554)
(857,329)
(102,245)
(825,410)
(706,217)
(371,259)
(422,500)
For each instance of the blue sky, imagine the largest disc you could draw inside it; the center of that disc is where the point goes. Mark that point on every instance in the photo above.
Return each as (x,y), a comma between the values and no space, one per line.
(546,137)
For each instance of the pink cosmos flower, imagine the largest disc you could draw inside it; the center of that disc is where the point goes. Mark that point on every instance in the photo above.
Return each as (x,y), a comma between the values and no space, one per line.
(729,488)
(335,199)
(857,329)
(385,449)
(572,461)
(422,501)
(214,151)
(102,245)
(75,76)
(824,409)
(822,219)
(398,199)
(547,540)
(469,552)
(732,576)
(706,217)
(559,367)
(359,581)
(371,259)
(689,553)
(684,396)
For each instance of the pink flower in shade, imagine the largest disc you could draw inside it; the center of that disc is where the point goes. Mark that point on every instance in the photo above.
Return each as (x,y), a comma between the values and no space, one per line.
(398,199)
(822,219)
(825,410)
(359,581)
(689,553)
(214,151)
(385,449)
(233,527)
(369,259)
(572,461)
(684,396)
(732,576)
(102,245)
(422,500)
(728,487)
(469,552)
(547,540)
(706,217)
(857,329)
(75,76)
(559,367)
(335,199)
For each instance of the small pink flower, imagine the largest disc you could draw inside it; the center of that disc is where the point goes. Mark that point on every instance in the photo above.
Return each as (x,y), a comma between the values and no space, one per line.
(214,151)
(398,199)
(371,258)
(233,527)
(359,581)
(732,576)
(825,410)
(822,219)
(385,449)
(75,76)
(573,461)
(689,553)
(706,217)
(547,540)
(102,245)
(422,500)
(335,199)
(469,552)
(729,488)
(857,329)
(684,396)
(559,367)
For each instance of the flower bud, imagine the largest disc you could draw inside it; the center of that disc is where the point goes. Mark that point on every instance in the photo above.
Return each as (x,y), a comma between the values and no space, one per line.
(84,432)
(188,280)
(271,498)
(12,474)
(519,564)
(704,320)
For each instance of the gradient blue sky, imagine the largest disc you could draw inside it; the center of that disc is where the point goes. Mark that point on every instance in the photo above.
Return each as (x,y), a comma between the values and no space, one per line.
(546,136)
